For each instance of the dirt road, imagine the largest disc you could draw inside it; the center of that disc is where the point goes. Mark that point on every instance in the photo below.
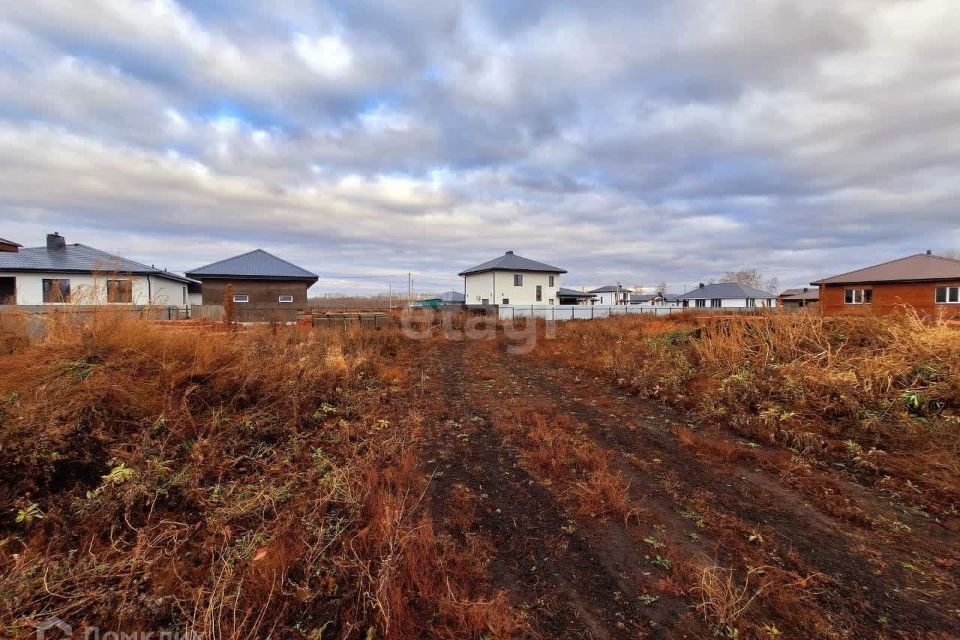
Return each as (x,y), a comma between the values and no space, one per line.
(610,517)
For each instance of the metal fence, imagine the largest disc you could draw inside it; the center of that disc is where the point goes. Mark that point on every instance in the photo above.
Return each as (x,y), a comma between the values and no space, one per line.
(584,312)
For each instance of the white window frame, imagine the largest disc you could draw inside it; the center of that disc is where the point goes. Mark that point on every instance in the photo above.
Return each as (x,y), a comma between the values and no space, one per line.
(539,293)
(518,279)
(551,281)
(285,299)
(241,297)
(719,303)
(751,302)
(948,293)
(700,303)
(858,296)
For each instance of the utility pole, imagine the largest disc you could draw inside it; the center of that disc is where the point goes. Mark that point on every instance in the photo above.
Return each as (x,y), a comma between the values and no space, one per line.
(409,288)
(390,297)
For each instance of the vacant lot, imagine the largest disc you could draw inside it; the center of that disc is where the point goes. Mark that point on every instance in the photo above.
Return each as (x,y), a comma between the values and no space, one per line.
(756,478)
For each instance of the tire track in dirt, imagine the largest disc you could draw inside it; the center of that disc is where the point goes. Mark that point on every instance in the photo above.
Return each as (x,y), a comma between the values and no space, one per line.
(570,582)
(825,544)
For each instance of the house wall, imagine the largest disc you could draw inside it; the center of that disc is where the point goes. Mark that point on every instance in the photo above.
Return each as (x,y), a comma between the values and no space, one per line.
(264,294)
(90,289)
(733,303)
(480,286)
(610,297)
(890,297)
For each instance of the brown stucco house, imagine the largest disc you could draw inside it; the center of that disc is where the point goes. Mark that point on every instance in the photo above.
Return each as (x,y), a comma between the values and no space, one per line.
(928,283)
(265,287)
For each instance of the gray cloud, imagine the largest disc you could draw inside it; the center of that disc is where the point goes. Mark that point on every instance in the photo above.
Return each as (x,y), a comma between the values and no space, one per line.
(672,140)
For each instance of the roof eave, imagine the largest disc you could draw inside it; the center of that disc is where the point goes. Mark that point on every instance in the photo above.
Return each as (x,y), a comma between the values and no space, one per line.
(524,270)
(891,281)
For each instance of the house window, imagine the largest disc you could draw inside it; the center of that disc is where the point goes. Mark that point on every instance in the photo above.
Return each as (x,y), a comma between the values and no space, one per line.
(517,280)
(120,291)
(858,296)
(751,302)
(485,301)
(285,299)
(56,290)
(715,302)
(550,302)
(241,297)
(948,295)
(539,293)
(700,303)
(550,284)
(506,301)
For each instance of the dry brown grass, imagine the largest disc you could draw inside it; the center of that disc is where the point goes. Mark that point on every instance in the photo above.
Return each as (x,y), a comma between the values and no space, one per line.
(236,484)
(880,395)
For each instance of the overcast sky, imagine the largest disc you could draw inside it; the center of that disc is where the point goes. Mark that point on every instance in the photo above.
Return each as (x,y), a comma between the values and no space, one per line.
(665,140)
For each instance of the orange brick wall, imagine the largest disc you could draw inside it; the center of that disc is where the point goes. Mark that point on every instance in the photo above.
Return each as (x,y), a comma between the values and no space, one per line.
(889,298)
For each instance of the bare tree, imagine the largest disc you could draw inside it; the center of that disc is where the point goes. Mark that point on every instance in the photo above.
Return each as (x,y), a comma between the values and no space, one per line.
(662,288)
(752,278)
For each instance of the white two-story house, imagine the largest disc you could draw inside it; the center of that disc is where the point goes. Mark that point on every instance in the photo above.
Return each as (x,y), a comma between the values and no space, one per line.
(512,280)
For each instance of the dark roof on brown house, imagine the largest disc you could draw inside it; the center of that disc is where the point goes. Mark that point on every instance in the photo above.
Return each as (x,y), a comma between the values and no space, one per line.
(922,267)
(801,294)
(254,265)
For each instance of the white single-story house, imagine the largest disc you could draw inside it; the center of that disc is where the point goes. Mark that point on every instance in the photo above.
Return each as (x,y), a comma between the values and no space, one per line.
(612,294)
(727,295)
(512,280)
(61,273)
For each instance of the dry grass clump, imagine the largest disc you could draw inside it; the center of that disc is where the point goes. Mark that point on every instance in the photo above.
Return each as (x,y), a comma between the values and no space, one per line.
(880,395)
(235,484)
(582,474)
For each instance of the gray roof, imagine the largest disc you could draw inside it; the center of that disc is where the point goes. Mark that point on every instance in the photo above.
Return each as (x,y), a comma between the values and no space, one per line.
(253,264)
(726,290)
(644,297)
(611,288)
(452,296)
(512,262)
(671,297)
(573,293)
(76,258)
(916,268)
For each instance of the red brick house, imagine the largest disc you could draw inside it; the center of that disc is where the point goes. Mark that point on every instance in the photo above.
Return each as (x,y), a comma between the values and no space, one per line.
(929,284)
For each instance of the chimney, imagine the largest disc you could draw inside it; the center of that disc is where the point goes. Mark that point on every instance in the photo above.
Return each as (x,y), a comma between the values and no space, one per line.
(805,289)
(701,285)
(929,252)
(55,241)
(509,253)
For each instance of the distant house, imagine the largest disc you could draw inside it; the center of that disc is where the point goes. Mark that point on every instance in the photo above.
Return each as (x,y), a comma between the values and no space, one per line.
(612,294)
(572,296)
(262,283)
(655,299)
(61,273)
(512,280)
(799,298)
(928,283)
(727,295)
